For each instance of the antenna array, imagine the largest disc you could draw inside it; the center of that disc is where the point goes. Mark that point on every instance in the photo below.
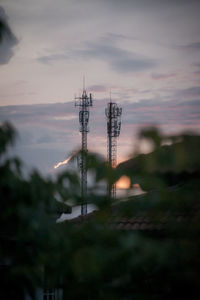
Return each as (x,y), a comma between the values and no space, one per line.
(84,102)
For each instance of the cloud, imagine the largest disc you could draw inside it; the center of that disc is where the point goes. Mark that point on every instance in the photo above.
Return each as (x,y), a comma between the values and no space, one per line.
(192,92)
(116,36)
(7,38)
(192,46)
(98,88)
(162,76)
(197,65)
(48,133)
(118,59)
(132,65)
(45,139)
(149,4)
(189,48)
(48,59)
(67,117)
(197,69)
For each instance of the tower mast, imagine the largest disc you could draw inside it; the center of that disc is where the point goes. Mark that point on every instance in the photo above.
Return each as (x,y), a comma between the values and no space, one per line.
(84,102)
(113,115)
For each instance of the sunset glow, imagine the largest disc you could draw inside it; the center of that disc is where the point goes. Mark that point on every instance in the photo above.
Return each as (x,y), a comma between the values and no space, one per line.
(123,183)
(63,162)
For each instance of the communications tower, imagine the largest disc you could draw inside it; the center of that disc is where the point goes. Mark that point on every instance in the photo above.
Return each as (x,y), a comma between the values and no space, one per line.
(84,102)
(113,115)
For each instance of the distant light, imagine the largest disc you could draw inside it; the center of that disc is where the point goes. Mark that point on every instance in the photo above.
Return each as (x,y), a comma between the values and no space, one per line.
(123,183)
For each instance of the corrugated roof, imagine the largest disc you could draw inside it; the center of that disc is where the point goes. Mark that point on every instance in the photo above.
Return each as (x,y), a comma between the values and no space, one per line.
(138,222)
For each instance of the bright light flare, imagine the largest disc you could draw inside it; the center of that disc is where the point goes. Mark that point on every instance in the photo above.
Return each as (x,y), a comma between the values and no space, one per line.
(63,162)
(123,183)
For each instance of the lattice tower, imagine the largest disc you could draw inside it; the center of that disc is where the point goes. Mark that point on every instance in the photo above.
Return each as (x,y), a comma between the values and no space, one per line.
(113,114)
(84,102)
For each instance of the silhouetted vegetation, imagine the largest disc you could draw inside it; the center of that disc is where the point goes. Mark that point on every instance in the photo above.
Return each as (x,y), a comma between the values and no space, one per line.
(93,259)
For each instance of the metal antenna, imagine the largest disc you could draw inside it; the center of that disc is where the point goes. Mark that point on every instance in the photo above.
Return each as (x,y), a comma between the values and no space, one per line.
(113,114)
(83,82)
(84,102)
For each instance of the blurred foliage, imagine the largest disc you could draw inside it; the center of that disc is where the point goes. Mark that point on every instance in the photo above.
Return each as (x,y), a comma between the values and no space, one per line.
(5,30)
(92,259)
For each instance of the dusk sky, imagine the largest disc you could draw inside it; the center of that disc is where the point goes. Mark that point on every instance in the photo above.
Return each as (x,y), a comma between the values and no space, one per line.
(147,52)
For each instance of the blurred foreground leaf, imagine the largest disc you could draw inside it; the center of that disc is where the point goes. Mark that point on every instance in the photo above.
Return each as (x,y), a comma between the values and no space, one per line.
(145,247)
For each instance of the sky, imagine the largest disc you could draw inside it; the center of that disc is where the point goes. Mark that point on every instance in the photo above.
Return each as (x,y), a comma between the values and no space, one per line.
(146,52)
